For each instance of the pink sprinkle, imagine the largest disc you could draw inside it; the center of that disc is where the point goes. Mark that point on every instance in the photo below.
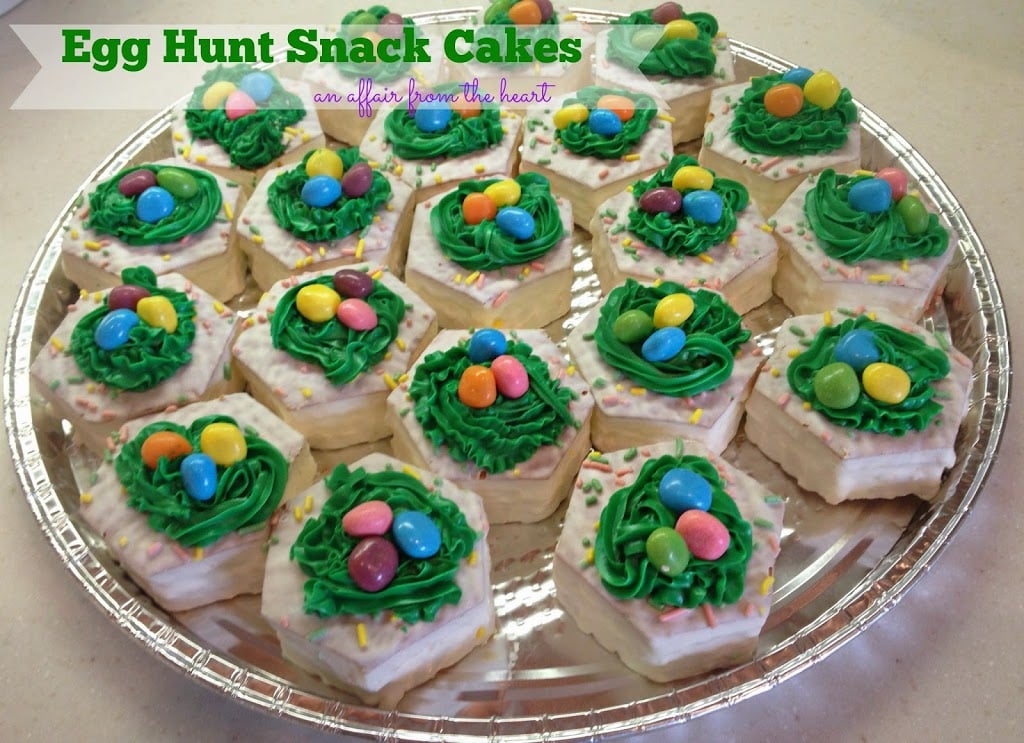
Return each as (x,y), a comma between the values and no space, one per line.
(122,432)
(185,240)
(709,615)
(303,247)
(500,299)
(82,402)
(261,318)
(826,263)
(857,273)
(793,170)
(843,272)
(602,173)
(725,108)
(542,139)
(899,281)
(170,408)
(285,622)
(427,203)
(348,251)
(610,400)
(109,443)
(748,609)
(84,212)
(769,164)
(599,466)
(154,549)
(783,399)
(645,452)
(246,220)
(280,392)
(181,553)
(860,310)
(619,482)
(303,369)
(787,229)
(826,436)
(537,266)
(670,614)
(579,483)
(108,415)
(624,471)
(188,287)
(773,542)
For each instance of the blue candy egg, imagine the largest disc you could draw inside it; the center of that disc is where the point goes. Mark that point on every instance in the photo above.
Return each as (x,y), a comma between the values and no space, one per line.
(663,344)
(604,122)
(154,204)
(703,206)
(416,534)
(486,345)
(432,116)
(516,222)
(199,473)
(684,490)
(797,76)
(321,191)
(857,348)
(112,331)
(871,195)
(259,85)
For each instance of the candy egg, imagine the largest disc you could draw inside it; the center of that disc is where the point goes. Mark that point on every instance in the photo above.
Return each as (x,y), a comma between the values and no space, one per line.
(317,303)
(323,161)
(134,183)
(477,207)
(604,122)
(703,206)
(467,108)
(691,177)
(705,536)
(486,344)
(915,216)
(349,282)
(372,564)
(510,377)
(666,12)
(154,204)
(497,8)
(871,195)
(373,37)
(784,100)
(224,443)
(822,89)
(886,383)
(661,199)
(320,191)
(157,312)
(673,310)
(364,18)
(620,105)
(897,180)
(357,181)
(667,551)
(178,183)
(113,330)
(857,348)
(391,26)
(167,444)
(239,104)
(525,13)
(416,534)
(663,344)
(126,297)
(645,39)
(214,96)
(683,490)
(371,518)
(797,76)
(505,192)
(432,116)
(680,28)
(546,9)
(632,326)
(199,475)
(517,222)
(477,388)
(259,85)
(356,314)
(573,113)
(836,385)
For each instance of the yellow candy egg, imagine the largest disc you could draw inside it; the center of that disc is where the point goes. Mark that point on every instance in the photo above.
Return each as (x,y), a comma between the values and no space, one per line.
(673,310)
(574,112)
(504,193)
(692,176)
(680,29)
(325,162)
(822,89)
(223,443)
(157,312)
(885,382)
(217,93)
(317,303)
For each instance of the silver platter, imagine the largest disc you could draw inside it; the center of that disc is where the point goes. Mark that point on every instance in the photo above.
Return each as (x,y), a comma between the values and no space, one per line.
(840,568)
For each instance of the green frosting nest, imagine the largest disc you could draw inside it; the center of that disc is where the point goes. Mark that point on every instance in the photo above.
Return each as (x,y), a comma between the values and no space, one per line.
(812,131)
(150,356)
(578,138)
(248,492)
(420,587)
(499,437)
(379,71)
(850,235)
(679,234)
(460,137)
(113,213)
(635,511)
(251,141)
(713,336)
(343,353)
(923,363)
(673,57)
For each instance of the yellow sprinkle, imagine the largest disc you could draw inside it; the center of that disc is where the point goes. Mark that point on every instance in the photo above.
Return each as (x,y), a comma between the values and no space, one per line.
(56,343)
(871,316)
(695,418)
(390,207)
(373,137)
(629,189)
(905,265)
(298,263)
(827,317)
(481,633)
(308,505)
(228,211)
(359,248)
(74,234)
(91,245)
(86,498)
(249,322)
(82,294)
(766,584)
(165,257)
(793,353)
(767,228)
(706,258)
(631,157)
(398,169)
(570,370)
(596,454)
(457,278)
(569,17)
(627,241)
(298,513)
(515,472)
(637,391)
(410,471)
(807,405)
(197,554)
(178,137)
(97,296)
(437,177)
(186,151)
(774,372)
(123,541)
(200,158)
(733,241)
(478,168)
(305,136)
(390,381)
(291,130)
(376,275)
(526,272)
(387,356)
(258,239)
(307,392)
(861,171)
(590,555)
(90,388)
(667,117)
(880,278)
(373,163)
(308,261)
(400,343)
(403,379)
(218,307)
(472,277)
(597,525)
(472,558)
(619,388)
(321,251)
(361,635)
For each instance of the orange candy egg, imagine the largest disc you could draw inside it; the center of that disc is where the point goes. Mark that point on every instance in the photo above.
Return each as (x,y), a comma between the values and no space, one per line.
(620,105)
(467,109)
(784,100)
(164,444)
(525,13)
(477,207)
(477,388)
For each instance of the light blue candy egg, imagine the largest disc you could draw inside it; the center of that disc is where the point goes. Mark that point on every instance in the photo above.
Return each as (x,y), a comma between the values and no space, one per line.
(154,204)
(112,331)
(433,116)
(516,222)
(199,473)
(259,85)
(871,195)
(321,190)
(416,534)
(684,490)
(663,344)
(604,122)
(857,348)
(486,345)
(703,206)
(797,76)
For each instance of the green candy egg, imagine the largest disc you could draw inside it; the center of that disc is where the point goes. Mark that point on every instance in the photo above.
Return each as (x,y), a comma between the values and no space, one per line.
(646,38)
(366,18)
(667,551)
(633,326)
(178,183)
(915,216)
(496,8)
(836,385)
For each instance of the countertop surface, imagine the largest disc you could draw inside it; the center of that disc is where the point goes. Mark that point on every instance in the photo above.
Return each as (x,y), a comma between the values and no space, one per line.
(945,664)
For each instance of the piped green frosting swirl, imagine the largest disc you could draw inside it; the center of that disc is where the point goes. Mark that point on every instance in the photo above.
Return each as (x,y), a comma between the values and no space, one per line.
(578,138)
(713,336)
(248,492)
(334,222)
(460,137)
(679,234)
(812,131)
(379,71)
(251,141)
(113,213)
(923,363)
(499,437)
(630,516)
(342,353)
(673,57)
(850,235)
(485,247)
(150,356)
(420,587)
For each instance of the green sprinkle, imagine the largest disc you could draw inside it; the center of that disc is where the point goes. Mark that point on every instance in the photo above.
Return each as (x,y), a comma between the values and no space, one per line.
(554,147)
(596,485)
(611,213)
(544,161)
(182,400)
(709,138)
(588,336)
(227,370)
(419,182)
(251,528)
(254,229)
(942,340)
(761,523)
(941,395)
(755,160)
(659,270)
(587,487)
(591,500)
(806,342)
(231,184)
(630,454)
(797,331)
(419,170)
(77,379)
(773,499)
(586,542)
(679,447)
(584,564)
(845,311)
(599,383)
(54,384)
(94,477)
(317,634)
(403,412)
(532,144)
(250,431)
(664,156)
(595,457)
(108,457)
(617,229)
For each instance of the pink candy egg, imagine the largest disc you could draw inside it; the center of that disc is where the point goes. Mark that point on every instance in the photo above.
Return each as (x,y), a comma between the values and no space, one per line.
(510,376)
(136,182)
(897,180)
(126,297)
(370,519)
(357,314)
(705,535)
(239,104)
